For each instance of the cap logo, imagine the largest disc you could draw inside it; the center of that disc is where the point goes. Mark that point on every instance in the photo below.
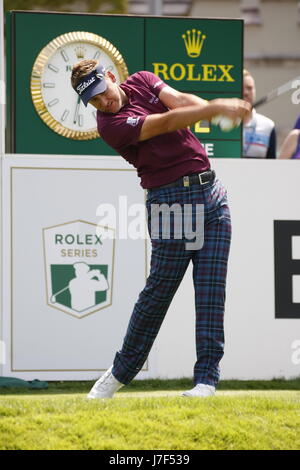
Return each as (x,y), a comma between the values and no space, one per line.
(83,85)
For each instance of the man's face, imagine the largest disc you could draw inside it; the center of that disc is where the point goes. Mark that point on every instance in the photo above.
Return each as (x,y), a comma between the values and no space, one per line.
(111,100)
(249,90)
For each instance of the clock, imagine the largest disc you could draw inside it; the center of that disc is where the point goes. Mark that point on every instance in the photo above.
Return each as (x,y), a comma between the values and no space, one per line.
(54,99)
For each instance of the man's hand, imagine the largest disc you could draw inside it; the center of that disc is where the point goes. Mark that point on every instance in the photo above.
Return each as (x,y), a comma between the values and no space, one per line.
(233,108)
(95,273)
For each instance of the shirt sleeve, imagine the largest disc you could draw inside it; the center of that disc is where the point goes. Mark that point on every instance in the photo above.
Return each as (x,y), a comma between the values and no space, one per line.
(271,153)
(152,81)
(122,131)
(297,123)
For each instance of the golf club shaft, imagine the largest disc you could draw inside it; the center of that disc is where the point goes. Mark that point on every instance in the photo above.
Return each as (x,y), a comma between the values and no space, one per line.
(60,291)
(276,92)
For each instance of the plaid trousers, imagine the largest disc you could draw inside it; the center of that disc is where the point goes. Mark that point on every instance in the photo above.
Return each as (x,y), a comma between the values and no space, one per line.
(169,261)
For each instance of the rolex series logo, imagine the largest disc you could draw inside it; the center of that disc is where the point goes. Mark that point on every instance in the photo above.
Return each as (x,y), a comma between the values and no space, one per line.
(79,267)
(193,41)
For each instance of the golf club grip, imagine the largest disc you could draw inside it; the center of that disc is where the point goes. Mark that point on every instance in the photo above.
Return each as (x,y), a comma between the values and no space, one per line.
(260,102)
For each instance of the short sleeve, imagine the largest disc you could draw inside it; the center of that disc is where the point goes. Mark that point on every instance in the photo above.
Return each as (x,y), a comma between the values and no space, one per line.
(271,153)
(122,131)
(152,81)
(297,123)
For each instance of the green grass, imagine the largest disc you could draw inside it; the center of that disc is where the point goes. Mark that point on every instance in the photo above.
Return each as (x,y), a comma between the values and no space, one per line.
(64,387)
(152,415)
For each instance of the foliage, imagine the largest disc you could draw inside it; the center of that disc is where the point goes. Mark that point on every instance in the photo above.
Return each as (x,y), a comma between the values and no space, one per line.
(66,387)
(89,6)
(262,420)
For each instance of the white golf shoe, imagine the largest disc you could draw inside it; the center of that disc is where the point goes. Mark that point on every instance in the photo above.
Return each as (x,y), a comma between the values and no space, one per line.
(105,387)
(200,390)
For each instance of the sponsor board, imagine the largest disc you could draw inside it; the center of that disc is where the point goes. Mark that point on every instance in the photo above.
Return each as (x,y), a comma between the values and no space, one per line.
(78,267)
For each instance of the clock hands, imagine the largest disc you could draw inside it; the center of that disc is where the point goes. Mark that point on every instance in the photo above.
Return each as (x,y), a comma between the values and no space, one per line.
(77,110)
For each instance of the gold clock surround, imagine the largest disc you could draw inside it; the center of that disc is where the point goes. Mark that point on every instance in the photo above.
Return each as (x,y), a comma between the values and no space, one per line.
(37,73)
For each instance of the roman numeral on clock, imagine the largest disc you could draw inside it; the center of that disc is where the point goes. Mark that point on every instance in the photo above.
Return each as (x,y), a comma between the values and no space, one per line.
(97,55)
(53,68)
(53,102)
(65,115)
(64,56)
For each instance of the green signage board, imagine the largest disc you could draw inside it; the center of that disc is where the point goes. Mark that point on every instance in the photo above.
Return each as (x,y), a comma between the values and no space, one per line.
(200,56)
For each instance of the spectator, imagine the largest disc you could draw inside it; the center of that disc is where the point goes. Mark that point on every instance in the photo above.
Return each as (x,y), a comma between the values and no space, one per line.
(291,145)
(297,123)
(259,135)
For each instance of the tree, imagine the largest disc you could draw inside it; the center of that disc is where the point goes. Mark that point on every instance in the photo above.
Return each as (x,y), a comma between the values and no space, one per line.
(88,6)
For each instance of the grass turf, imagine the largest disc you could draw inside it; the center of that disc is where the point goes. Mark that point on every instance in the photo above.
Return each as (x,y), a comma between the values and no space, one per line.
(56,387)
(151,415)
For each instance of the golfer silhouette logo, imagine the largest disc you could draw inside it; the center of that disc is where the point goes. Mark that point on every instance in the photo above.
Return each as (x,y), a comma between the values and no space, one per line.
(83,287)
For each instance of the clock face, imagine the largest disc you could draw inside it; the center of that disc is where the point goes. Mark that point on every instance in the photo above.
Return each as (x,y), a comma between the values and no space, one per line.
(53,96)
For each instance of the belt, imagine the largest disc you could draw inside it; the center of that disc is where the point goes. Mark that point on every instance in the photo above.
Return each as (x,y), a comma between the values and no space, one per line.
(188,180)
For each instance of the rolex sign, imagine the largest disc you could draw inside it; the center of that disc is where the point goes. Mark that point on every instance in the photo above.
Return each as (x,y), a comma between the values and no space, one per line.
(202,56)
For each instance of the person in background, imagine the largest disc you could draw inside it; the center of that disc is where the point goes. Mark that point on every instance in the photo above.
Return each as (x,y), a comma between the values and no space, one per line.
(297,123)
(259,135)
(291,145)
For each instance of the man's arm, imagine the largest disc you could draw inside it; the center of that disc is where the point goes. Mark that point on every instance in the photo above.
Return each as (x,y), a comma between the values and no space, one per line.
(271,153)
(182,117)
(172,98)
(289,145)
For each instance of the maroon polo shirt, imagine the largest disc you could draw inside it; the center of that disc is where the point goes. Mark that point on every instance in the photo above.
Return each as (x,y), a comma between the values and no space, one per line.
(161,159)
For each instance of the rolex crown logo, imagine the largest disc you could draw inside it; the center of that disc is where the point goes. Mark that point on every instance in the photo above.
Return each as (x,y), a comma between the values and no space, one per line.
(193,41)
(80,52)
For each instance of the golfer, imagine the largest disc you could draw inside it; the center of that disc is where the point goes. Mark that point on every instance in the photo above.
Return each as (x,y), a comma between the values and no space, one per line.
(84,285)
(146,121)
